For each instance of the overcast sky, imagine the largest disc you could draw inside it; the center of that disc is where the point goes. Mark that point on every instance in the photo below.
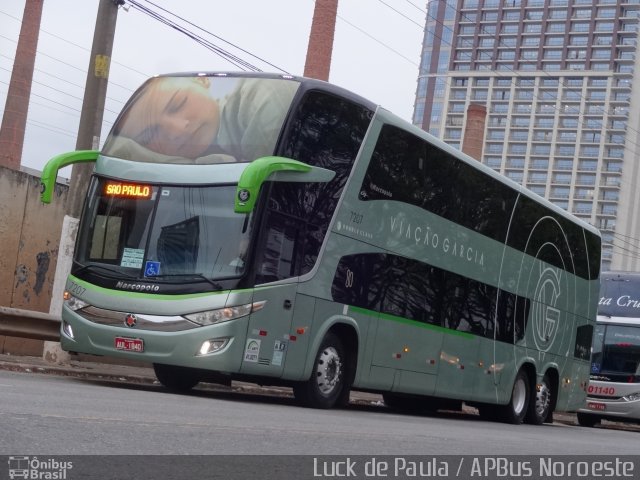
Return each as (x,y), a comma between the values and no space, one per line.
(376,54)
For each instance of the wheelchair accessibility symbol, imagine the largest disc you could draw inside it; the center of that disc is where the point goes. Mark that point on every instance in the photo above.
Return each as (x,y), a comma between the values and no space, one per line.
(151,269)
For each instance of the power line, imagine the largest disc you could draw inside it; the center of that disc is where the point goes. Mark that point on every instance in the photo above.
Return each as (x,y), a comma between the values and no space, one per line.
(48,106)
(51,128)
(377,41)
(625,252)
(45,98)
(80,86)
(62,92)
(68,65)
(215,36)
(402,14)
(416,6)
(222,53)
(145,75)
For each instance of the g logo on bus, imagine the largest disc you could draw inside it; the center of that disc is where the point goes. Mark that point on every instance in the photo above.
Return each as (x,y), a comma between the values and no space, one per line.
(545,315)
(243,195)
(130,320)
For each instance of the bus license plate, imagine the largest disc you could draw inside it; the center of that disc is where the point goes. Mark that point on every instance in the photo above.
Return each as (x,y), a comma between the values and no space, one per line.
(596,406)
(129,344)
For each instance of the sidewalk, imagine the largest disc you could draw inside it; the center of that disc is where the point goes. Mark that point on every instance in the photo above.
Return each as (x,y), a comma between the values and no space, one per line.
(142,374)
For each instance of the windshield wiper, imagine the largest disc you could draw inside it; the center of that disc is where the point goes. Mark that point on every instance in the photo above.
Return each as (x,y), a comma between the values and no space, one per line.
(119,273)
(198,276)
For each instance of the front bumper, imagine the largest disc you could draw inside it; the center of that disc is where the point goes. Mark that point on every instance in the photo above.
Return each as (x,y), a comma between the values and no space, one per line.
(179,348)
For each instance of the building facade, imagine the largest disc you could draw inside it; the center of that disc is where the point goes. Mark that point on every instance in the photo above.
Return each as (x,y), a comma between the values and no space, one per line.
(563,103)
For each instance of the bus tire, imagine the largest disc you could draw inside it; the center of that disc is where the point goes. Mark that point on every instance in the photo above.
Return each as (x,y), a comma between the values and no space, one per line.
(515,411)
(177,379)
(327,384)
(586,420)
(540,406)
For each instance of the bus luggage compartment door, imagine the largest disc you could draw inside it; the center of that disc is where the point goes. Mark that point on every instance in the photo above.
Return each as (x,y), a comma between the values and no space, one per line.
(268,331)
(411,349)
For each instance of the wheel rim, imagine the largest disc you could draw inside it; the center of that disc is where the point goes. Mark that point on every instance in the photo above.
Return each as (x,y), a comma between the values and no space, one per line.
(543,398)
(519,396)
(328,370)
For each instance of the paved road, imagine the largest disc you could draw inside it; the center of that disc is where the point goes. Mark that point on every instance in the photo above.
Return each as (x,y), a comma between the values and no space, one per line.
(67,415)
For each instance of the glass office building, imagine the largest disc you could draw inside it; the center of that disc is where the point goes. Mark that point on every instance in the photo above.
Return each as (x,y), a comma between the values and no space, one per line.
(563,103)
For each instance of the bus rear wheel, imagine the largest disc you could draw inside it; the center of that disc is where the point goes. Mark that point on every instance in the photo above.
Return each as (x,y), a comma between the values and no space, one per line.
(540,409)
(177,379)
(515,411)
(327,385)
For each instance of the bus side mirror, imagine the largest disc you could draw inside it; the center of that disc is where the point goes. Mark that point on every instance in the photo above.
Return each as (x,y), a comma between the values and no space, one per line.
(274,169)
(50,171)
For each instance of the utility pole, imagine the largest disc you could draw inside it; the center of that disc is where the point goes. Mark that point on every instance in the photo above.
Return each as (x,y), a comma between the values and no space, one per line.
(323,26)
(95,93)
(14,120)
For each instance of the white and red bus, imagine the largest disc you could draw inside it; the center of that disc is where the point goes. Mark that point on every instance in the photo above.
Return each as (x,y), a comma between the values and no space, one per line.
(614,386)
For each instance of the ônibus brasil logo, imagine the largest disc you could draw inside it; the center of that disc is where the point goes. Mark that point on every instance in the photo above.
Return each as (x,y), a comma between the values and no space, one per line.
(38,469)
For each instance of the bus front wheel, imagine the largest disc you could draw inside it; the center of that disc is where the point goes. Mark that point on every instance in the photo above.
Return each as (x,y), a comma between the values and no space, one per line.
(327,384)
(178,379)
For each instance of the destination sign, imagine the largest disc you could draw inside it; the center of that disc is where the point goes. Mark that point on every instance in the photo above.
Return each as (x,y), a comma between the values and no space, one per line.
(130,190)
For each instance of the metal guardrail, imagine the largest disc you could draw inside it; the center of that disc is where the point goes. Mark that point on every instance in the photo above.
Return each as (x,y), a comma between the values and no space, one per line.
(29,324)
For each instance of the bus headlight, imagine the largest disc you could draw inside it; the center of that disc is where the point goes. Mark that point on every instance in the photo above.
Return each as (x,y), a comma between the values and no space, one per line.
(633,397)
(74,303)
(211,317)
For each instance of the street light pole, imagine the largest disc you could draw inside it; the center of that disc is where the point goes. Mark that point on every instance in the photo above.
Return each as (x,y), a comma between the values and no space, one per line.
(93,103)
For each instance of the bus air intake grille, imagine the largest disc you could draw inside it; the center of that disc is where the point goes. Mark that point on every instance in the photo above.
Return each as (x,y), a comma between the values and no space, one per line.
(161,323)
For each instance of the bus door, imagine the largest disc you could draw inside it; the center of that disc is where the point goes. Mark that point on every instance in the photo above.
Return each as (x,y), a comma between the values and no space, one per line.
(276,265)
(413,353)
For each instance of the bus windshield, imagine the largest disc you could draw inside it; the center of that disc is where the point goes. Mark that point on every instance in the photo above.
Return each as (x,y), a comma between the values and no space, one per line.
(202,119)
(616,342)
(162,232)
(616,352)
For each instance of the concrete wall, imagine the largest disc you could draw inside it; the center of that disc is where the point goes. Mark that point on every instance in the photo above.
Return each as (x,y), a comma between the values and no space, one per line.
(29,244)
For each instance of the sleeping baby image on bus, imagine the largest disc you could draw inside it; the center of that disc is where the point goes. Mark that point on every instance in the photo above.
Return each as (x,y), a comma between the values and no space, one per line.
(202,119)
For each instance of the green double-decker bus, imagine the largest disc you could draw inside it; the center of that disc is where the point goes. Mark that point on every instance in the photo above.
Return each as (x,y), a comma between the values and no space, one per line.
(282,230)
